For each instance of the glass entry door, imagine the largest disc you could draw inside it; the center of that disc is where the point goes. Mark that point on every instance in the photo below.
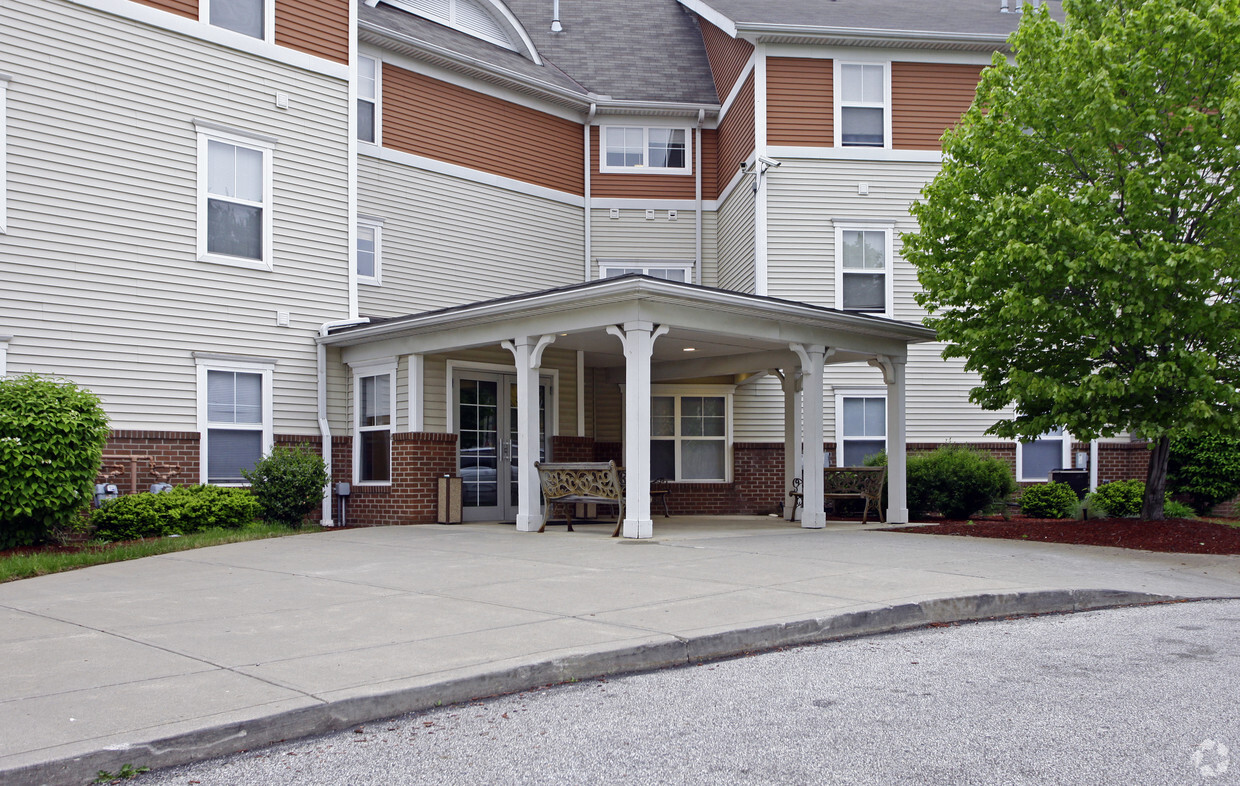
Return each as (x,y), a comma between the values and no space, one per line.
(486,427)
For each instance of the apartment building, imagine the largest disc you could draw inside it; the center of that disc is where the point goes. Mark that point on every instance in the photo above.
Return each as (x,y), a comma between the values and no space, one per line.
(452,237)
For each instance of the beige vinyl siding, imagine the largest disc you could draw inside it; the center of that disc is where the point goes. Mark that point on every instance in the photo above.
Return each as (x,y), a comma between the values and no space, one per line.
(449,241)
(435,383)
(735,240)
(632,236)
(101,279)
(758,411)
(607,421)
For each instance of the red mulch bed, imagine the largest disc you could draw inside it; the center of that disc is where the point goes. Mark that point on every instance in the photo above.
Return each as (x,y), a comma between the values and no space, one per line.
(1179,536)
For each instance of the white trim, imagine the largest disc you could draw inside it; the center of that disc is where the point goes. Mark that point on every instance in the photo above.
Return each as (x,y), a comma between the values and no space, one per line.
(4,359)
(506,21)
(683,205)
(737,177)
(581,392)
(783,152)
(137,12)
(465,173)
(842,393)
(837,72)
(887,227)
(643,169)
(416,396)
(726,392)
(208,131)
(737,86)
(209,361)
(711,15)
(451,367)
(4,167)
(1065,459)
(376,227)
(860,52)
(362,370)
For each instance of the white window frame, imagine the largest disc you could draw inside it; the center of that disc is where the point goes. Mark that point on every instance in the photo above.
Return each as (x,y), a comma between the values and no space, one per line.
(376,225)
(845,393)
(644,266)
(375,99)
(643,169)
(269,20)
(213,362)
(208,132)
(856,225)
(1065,455)
(503,19)
(678,392)
(838,79)
(372,368)
(4,164)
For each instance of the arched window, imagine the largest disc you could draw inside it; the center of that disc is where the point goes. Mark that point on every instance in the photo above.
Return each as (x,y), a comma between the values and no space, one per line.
(484,19)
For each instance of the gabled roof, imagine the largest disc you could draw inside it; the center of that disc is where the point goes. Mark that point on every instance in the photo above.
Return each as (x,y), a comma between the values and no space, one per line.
(961,20)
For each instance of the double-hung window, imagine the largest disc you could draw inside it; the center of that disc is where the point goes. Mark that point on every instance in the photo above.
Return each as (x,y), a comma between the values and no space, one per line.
(860,426)
(375,415)
(248,17)
(863,261)
(689,436)
(369,250)
(862,117)
(669,271)
(234,415)
(1036,458)
(234,197)
(643,149)
(368,74)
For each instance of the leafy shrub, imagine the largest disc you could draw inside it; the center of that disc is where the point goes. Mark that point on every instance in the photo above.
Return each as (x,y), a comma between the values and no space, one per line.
(1204,469)
(1120,498)
(181,511)
(1174,509)
(1049,501)
(52,434)
(954,480)
(288,484)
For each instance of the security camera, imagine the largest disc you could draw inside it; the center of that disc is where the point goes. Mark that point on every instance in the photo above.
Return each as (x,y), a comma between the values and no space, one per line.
(769,161)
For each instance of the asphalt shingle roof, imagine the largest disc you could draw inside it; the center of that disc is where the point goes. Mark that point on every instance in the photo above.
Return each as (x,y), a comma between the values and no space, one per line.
(938,16)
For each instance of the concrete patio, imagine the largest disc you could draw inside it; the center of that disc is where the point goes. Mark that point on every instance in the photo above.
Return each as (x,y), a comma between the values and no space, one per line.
(184,656)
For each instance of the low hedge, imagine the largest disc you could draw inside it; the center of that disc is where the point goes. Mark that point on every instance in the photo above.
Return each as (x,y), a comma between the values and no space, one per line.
(1049,501)
(181,511)
(953,480)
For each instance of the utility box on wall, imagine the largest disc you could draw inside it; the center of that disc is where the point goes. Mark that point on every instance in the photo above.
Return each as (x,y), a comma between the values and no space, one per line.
(450,500)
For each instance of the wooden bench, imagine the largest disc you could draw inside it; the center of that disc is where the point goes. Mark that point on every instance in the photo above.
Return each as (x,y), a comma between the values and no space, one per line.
(847,483)
(567,483)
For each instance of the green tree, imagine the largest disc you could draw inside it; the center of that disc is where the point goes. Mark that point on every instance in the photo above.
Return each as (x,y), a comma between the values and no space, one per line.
(1081,244)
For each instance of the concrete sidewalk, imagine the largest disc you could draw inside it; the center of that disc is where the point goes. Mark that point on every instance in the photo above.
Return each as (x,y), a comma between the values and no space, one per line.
(181,657)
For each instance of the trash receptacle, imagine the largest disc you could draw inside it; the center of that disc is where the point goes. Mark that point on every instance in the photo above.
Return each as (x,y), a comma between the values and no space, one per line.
(1078,479)
(449,500)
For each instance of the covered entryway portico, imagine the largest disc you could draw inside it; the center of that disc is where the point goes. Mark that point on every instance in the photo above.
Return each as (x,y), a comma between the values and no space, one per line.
(642,330)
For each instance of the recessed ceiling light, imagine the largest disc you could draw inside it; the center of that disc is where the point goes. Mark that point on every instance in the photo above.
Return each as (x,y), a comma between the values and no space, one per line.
(690,349)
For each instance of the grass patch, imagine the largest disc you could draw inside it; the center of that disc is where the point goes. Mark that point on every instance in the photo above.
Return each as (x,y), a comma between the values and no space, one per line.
(41,563)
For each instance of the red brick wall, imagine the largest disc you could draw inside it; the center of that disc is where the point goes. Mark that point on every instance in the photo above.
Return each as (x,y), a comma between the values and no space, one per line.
(165,447)
(419,459)
(572,449)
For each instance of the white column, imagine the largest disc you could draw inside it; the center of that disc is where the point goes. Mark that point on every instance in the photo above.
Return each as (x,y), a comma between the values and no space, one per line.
(790,380)
(897,452)
(812,361)
(1093,465)
(527,353)
(638,339)
(4,354)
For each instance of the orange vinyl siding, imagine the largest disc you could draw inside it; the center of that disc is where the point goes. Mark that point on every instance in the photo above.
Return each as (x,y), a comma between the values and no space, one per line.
(927,99)
(736,134)
(609,184)
(727,55)
(182,7)
(710,163)
(799,102)
(427,117)
(316,27)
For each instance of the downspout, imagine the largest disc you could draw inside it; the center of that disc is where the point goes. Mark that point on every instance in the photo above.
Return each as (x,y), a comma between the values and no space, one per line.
(325,431)
(589,268)
(697,169)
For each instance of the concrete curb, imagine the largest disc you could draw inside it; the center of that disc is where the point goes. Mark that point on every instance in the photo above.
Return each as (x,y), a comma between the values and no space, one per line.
(230,738)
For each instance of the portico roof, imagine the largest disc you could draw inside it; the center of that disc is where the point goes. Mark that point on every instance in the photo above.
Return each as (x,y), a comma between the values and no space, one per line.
(728,332)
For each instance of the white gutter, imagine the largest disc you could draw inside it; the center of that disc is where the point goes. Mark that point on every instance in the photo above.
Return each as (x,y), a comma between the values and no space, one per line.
(325,431)
(868,34)
(697,184)
(589,267)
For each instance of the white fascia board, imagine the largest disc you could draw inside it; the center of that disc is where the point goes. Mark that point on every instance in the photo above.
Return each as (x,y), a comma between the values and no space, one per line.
(711,15)
(774,33)
(193,28)
(465,173)
(819,52)
(738,85)
(855,154)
